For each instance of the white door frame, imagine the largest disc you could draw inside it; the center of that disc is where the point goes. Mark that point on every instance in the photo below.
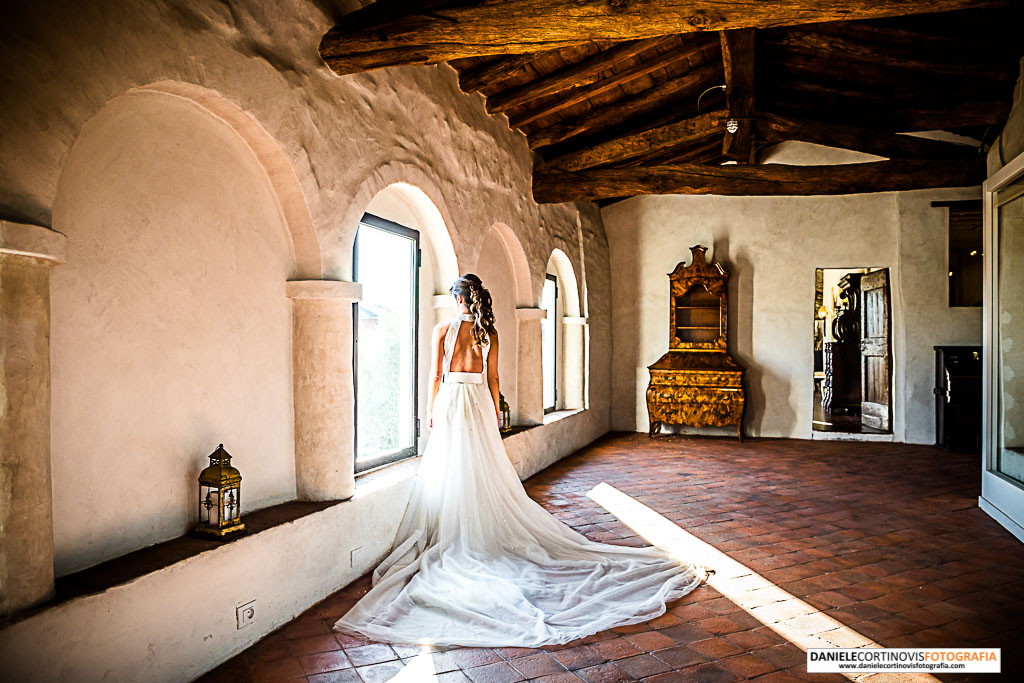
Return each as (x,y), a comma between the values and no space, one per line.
(1001,497)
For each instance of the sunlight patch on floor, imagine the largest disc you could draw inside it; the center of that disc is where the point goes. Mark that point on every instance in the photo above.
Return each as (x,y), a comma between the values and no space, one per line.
(795,620)
(419,669)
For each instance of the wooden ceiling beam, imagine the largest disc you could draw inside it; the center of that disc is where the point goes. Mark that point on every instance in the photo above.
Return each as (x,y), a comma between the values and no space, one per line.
(583,73)
(394,32)
(623,148)
(738,60)
(770,179)
(666,95)
(775,128)
(577,95)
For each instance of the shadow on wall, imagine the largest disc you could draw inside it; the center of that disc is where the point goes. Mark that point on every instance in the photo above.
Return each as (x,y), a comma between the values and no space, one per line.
(741,332)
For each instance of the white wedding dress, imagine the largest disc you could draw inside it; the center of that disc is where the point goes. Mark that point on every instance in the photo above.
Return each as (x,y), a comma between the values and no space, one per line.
(476,562)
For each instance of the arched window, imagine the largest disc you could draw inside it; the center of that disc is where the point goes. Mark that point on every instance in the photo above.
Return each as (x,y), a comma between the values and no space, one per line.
(563,337)
(404,259)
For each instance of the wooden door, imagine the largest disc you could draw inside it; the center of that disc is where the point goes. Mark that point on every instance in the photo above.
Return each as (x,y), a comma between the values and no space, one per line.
(875,356)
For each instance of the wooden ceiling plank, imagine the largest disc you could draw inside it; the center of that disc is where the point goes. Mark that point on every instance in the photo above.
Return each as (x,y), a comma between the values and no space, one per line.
(837,48)
(495,71)
(776,128)
(625,147)
(738,61)
(917,41)
(802,101)
(582,73)
(706,151)
(770,179)
(874,80)
(662,96)
(585,92)
(394,32)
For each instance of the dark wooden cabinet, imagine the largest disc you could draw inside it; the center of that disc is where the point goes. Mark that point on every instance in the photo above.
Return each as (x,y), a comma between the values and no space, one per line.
(697,383)
(958,395)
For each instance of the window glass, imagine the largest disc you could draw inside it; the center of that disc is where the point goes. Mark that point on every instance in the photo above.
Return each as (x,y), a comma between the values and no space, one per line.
(1009,319)
(386,340)
(549,342)
(965,257)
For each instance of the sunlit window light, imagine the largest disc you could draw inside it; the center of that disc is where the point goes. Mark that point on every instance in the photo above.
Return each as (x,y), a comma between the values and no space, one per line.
(795,620)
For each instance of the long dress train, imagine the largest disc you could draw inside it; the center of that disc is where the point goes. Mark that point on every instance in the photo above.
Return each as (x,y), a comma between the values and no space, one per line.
(477,562)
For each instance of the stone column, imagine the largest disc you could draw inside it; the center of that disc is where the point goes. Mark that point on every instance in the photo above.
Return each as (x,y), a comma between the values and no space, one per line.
(574,331)
(529,371)
(27,252)
(324,400)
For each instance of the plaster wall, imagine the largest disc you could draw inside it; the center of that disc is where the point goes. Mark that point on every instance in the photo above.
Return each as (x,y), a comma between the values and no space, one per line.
(771,246)
(496,271)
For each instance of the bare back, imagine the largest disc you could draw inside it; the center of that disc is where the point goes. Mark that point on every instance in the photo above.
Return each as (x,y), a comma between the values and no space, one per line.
(467,355)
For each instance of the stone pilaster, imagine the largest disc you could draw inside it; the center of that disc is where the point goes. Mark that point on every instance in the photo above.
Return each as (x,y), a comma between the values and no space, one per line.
(27,253)
(324,399)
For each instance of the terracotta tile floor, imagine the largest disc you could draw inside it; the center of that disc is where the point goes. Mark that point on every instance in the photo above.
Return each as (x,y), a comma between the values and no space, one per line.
(885,538)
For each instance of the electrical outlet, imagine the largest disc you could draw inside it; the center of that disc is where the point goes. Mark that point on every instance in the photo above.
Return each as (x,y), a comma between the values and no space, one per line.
(354,556)
(246,614)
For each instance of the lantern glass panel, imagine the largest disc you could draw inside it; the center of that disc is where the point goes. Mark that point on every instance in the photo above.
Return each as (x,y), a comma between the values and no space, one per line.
(211,505)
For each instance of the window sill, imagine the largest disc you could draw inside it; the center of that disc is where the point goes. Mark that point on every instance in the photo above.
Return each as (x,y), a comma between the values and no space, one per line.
(386,475)
(557,415)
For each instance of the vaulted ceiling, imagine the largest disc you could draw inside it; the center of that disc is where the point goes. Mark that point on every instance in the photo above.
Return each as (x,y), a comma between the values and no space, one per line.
(619,98)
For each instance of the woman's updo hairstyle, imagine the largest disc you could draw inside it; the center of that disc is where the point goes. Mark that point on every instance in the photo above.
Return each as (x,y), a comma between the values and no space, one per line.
(478,299)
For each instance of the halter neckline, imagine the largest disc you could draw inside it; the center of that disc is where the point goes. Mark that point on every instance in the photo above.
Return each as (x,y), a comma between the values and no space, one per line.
(468,317)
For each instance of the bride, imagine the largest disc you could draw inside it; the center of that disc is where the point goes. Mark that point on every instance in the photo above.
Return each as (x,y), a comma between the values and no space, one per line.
(478,563)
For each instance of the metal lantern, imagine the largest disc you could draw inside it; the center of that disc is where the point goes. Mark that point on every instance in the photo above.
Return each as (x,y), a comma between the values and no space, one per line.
(220,497)
(506,414)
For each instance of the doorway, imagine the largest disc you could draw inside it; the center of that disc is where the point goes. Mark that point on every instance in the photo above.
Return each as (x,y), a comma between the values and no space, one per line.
(852,351)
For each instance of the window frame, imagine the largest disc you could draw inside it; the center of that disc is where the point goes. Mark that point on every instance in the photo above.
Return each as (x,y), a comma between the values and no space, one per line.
(387,458)
(554,359)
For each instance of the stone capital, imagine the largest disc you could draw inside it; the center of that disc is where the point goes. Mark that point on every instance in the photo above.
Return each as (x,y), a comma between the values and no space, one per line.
(574,320)
(340,290)
(32,241)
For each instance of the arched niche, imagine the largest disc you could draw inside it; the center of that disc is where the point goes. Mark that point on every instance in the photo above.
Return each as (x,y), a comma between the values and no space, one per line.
(170,329)
(273,162)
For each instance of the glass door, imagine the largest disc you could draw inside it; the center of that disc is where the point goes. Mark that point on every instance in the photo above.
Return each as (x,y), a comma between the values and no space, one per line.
(386,264)
(1009,319)
(1003,475)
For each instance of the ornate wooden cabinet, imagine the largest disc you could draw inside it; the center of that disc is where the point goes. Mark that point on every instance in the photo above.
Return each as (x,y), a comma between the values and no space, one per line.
(697,383)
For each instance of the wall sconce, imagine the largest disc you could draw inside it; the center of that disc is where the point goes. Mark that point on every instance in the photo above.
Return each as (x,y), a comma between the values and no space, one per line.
(732,125)
(220,497)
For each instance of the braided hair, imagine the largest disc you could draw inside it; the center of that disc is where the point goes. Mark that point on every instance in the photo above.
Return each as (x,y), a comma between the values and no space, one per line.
(478,299)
